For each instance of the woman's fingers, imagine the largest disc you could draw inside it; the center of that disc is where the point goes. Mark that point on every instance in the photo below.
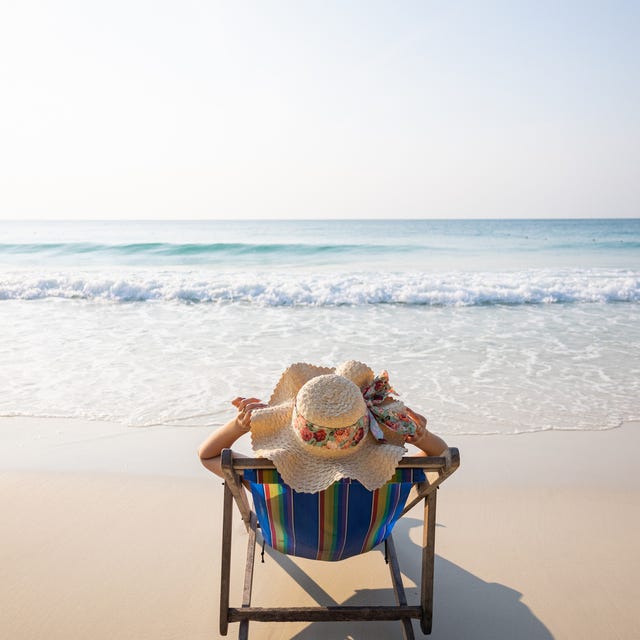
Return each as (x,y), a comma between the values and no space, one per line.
(248,408)
(421,425)
(420,420)
(240,402)
(245,408)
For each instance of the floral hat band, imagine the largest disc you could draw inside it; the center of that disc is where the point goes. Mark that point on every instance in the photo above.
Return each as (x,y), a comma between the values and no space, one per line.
(319,436)
(374,395)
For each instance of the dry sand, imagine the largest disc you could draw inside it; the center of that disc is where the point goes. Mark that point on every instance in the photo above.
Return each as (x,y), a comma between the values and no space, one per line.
(114,533)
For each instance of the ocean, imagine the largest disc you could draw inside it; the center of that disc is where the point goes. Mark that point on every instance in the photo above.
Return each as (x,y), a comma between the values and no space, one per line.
(485,326)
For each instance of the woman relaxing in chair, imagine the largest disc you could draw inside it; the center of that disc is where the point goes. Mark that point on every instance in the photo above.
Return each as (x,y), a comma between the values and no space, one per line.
(322,424)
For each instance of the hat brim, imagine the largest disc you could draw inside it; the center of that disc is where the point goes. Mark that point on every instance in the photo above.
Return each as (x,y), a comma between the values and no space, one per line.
(308,469)
(293,379)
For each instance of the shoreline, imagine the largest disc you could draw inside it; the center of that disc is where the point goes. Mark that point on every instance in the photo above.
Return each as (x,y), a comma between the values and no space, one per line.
(116,534)
(93,446)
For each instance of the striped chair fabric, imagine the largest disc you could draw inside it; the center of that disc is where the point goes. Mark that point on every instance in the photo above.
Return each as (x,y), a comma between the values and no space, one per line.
(344,520)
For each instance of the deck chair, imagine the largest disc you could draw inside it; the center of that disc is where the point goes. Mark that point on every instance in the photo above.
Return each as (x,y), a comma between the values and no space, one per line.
(326,529)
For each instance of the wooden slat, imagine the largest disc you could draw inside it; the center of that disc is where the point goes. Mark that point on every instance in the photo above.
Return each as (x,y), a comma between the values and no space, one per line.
(235,485)
(248,576)
(251,554)
(322,614)
(241,463)
(394,569)
(225,569)
(428,463)
(417,495)
(398,587)
(428,559)
(423,489)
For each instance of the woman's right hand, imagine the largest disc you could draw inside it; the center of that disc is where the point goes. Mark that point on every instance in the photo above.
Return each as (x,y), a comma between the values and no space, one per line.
(245,406)
(421,426)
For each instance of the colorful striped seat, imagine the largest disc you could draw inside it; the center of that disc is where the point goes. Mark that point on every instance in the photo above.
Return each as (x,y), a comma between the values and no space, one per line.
(342,521)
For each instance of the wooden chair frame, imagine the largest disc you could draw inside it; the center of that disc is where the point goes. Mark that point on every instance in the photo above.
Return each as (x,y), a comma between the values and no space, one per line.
(438,467)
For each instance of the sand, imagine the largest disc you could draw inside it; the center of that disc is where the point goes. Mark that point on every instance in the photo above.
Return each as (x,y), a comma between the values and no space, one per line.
(109,532)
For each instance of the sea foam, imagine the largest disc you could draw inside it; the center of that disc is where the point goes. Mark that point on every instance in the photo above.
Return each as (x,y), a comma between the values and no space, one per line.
(534,286)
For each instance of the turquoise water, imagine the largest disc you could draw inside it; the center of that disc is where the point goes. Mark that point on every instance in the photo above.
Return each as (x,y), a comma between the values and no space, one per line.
(486,326)
(325,263)
(401,244)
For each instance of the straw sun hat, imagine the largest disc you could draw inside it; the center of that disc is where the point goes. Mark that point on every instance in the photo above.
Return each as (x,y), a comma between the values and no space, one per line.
(324,424)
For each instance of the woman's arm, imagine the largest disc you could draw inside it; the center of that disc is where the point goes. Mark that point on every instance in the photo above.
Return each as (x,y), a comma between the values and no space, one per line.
(429,443)
(222,438)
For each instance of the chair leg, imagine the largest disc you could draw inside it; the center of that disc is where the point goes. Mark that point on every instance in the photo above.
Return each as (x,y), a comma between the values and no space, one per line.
(248,575)
(225,572)
(428,558)
(398,586)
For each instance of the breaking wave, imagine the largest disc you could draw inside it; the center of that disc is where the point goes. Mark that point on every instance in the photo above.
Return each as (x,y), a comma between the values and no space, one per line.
(330,288)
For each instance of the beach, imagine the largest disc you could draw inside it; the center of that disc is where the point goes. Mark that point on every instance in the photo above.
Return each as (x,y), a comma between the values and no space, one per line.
(122,345)
(196,196)
(112,532)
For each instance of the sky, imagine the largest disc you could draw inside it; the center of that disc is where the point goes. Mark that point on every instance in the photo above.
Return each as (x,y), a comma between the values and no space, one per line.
(328,109)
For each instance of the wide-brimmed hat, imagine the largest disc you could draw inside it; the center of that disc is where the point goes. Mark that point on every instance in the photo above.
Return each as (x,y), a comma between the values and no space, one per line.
(323,424)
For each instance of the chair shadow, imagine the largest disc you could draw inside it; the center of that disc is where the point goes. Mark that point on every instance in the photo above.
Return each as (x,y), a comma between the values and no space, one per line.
(465,606)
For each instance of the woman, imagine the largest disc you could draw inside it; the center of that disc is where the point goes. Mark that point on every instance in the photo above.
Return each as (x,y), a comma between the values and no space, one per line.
(322,424)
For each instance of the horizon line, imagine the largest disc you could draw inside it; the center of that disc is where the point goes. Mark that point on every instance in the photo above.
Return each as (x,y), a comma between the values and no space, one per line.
(319,219)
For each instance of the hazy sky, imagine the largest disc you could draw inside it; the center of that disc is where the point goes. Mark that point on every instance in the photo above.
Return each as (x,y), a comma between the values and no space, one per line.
(185,109)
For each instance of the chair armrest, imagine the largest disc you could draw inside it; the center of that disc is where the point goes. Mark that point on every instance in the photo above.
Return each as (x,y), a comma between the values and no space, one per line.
(453,458)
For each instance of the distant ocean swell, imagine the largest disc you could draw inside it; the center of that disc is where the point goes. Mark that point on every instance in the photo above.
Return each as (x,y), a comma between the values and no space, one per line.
(211,251)
(331,289)
(149,250)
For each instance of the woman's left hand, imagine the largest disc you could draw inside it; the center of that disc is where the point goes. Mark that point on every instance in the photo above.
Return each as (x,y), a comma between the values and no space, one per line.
(245,406)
